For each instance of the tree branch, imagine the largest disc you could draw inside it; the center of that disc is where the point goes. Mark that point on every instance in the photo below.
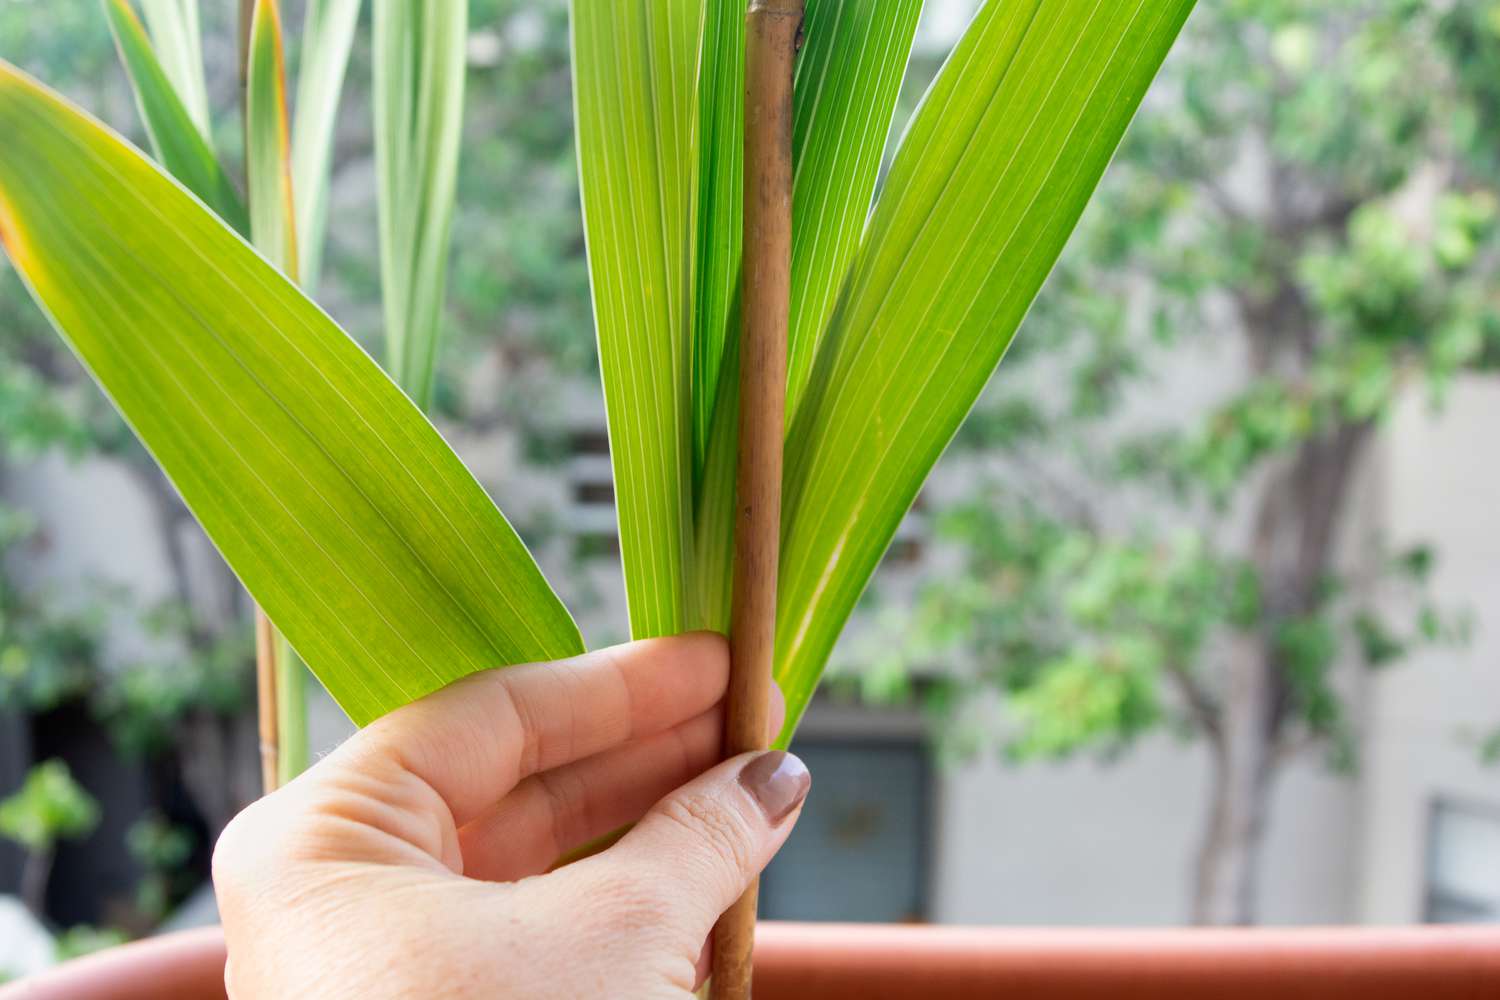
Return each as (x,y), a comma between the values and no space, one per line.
(1200,703)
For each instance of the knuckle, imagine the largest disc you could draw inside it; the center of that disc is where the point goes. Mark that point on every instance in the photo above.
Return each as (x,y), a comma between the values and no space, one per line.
(230,856)
(727,838)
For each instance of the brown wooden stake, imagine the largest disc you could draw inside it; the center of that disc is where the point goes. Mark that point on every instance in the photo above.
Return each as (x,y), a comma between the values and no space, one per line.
(265,702)
(266,672)
(772,32)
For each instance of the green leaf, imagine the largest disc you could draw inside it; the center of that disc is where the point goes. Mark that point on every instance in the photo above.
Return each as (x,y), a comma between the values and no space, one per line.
(341,509)
(179,45)
(635,86)
(49,806)
(268,165)
(721,182)
(988,182)
(327,37)
(848,78)
(177,140)
(419,95)
(849,75)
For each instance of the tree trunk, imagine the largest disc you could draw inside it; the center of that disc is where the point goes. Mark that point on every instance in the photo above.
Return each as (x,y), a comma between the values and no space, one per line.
(1225,886)
(36,872)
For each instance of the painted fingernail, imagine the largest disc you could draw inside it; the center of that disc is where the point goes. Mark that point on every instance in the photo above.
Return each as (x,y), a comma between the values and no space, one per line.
(778,782)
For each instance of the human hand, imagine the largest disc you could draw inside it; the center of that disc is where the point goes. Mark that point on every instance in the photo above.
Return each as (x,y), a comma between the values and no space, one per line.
(413,861)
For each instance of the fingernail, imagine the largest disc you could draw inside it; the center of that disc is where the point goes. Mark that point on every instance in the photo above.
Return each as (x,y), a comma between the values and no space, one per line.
(778,782)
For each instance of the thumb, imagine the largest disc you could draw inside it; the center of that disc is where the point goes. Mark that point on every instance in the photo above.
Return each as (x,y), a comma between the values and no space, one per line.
(699,848)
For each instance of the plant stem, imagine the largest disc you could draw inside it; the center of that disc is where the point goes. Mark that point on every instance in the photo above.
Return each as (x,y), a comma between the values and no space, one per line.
(291,712)
(281,690)
(772,32)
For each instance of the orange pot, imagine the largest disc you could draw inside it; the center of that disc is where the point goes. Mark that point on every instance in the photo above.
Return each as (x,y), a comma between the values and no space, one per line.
(874,962)
(883,962)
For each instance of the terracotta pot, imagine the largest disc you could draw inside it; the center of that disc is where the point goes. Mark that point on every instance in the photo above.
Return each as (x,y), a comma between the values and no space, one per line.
(873,962)
(184,966)
(881,962)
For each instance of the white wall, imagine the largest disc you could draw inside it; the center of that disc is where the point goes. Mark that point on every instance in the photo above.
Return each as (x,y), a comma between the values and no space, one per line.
(1090,843)
(1441,486)
(94,525)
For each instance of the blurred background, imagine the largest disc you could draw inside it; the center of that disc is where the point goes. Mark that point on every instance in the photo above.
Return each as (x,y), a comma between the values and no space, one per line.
(1198,620)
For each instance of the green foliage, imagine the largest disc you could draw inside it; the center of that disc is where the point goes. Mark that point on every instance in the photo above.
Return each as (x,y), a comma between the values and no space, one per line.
(177,38)
(1489,748)
(1079,630)
(179,137)
(51,653)
(41,408)
(521,288)
(1311,198)
(143,701)
(418,55)
(327,37)
(162,850)
(268,151)
(898,321)
(338,504)
(49,806)
(82,939)
(254,420)
(47,652)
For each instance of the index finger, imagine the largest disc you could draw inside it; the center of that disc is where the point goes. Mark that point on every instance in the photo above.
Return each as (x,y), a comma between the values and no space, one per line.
(475,740)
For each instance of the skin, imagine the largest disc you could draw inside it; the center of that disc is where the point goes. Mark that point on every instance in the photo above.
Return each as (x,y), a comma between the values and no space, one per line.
(413,861)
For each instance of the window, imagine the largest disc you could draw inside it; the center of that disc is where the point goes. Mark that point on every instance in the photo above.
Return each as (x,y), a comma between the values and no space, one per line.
(860,851)
(1463,863)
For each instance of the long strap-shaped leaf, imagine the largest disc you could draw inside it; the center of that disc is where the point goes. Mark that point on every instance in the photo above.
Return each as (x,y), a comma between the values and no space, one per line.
(327,37)
(175,137)
(986,187)
(418,93)
(720,233)
(268,153)
(635,85)
(345,514)
(178,41)
(848,78)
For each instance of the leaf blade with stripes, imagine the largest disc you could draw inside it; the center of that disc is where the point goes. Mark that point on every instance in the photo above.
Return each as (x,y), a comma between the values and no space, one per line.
(635,67)
(268,158)
(848,79)
(177,141)
(335,501)
(418,97)
(178,41)
(327,38)
(720,232)
(987,184)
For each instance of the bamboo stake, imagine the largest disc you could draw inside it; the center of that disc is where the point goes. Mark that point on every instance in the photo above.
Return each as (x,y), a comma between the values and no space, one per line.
(266,702)
(772,37)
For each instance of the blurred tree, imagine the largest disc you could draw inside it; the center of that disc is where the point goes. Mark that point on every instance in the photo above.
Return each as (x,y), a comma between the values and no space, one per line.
(1310,188)
(520,282)
(162,850)
(49,806)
